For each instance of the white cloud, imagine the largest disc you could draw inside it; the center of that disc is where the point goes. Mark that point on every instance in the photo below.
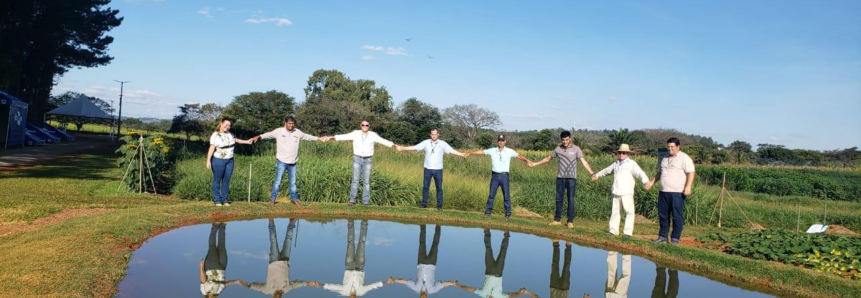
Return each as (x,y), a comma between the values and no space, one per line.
(528,116)
(280,22)
(613,97)
(205,12)
(372,48)
(380,241)
(396,52)
(368,57)
(399,51)
(260,256)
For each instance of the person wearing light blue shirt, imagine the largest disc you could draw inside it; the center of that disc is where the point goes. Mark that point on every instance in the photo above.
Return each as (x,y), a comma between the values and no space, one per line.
(500,159)
(434,149)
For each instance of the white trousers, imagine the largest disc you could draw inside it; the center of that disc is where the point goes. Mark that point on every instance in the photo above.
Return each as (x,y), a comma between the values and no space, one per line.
(617,287)
(627,203)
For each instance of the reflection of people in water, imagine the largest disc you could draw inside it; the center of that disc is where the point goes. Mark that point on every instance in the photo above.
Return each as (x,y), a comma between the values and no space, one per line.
(212,278)
(278,274)
(493,272)
(560,283)
(425,282)
(354,274)
(617,288)
(661,281)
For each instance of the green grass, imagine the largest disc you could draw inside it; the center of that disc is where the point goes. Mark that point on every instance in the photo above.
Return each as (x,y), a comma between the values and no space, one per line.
(88,256)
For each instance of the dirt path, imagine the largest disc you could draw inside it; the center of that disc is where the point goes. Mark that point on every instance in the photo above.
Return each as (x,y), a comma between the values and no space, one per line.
(14,159)
(14,228)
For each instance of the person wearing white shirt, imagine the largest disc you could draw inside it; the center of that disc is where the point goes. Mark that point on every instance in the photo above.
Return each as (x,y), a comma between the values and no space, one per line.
(434,149)
(354,273)
(617,288)
(214,265)
(363,149)
(500,161)
(425,282)
(624,171)
(493,272)
(219,159)
(278,280)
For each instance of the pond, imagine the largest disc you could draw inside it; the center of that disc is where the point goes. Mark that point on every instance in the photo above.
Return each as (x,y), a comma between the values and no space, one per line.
(369,258)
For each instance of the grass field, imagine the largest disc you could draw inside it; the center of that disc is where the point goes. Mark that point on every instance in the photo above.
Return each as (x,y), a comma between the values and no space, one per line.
(49,250)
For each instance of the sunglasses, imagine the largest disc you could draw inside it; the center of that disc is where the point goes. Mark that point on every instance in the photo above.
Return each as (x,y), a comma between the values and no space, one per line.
(366,125)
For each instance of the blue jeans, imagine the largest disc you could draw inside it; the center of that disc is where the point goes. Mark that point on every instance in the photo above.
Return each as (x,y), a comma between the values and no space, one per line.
(437,178)
(222,170)
(497,180)
(280,167)
(274,253)
(361,166)
(671,202)
(563,184)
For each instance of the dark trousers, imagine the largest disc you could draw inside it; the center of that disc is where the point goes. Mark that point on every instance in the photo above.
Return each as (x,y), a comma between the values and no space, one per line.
(216,255)
(563,185)
(425,257)
(563,281)
(494,266)
(661,282)
(499,180)
(284,253)
(671,202)
(222,170)
(437,178)
(355,259)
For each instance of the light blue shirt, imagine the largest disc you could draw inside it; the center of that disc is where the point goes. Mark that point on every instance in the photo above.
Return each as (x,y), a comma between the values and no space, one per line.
(500,161)
(433,153)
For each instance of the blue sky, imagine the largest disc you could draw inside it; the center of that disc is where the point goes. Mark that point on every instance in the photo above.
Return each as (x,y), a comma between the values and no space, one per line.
(779,72)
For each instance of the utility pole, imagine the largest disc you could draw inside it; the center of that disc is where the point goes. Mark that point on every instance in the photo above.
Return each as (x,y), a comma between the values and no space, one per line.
(120,117)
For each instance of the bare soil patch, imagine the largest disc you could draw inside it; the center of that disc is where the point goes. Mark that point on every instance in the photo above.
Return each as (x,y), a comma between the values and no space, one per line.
(14,228)
(840,230)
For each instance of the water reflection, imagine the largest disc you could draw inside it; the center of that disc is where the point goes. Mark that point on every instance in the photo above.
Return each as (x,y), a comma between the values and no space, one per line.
(266,255)
(425,282)
(278,280)
(560,282)
(661,282)
(617,287)
(354,272)
(213,267)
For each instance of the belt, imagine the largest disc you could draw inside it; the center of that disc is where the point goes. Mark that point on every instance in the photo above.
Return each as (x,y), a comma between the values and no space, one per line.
(225,147)
(500,173)
(363,157)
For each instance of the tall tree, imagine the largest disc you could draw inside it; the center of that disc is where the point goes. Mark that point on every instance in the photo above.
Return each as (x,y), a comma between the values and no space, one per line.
(41,39)
(469,120)
(335,85)
(188,121)
(258,112)
(421,115)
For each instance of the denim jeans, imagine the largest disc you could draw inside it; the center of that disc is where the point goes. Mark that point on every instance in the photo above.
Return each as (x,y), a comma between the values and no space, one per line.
(355,259)
(428,257)
(499,180)
(216,255)
(222,170)
(560,281)
(437,178)
(361,166)
(280,167)
(284,253)
(562,185)
(671,202)
(494,266)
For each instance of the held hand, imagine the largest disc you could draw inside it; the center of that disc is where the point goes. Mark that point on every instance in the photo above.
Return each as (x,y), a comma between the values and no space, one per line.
(648,185)
(594,178)
(391,280)
(687,192)
(465,155)
(399,148)
(530,164)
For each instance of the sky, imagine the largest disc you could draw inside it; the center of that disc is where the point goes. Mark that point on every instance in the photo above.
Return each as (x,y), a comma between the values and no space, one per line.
(780,72)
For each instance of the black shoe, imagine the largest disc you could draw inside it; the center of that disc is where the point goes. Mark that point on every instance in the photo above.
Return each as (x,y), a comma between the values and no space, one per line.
(660,240)
(487,215)
(366,204)
(626,236)
(423,207)
(351,204)
(438,208)
(508,217)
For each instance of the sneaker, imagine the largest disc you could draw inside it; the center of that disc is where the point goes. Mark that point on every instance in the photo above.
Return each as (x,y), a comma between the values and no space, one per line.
(660,240)
(626,236)
(674,241)
(611,233)
(556,223)
(226,205)
(297,203)
(570,225)
(487,215)
(366,204)
(271,203)
(351,204)
(217,204)
(438,208)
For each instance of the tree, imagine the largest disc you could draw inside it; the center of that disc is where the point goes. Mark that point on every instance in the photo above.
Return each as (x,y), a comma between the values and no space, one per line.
(335,85)
(619,137)
(327,117)
(544,141)
(210,113)
(401,132)
(40,40)
(419,114)
(258,112)
(469,120)
(188,121)
(741,151)
(484,140)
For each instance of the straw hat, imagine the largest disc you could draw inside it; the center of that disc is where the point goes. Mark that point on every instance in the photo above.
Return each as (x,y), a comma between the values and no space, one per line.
(624,148)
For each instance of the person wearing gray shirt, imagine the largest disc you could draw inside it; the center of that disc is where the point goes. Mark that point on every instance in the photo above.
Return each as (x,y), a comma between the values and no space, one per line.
(566,175)
(287,140)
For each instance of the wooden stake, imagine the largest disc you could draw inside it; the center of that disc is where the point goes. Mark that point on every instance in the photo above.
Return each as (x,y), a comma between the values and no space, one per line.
(140,166)
(249,180)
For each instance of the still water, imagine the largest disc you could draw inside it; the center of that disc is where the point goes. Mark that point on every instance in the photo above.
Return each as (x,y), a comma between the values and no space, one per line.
(338,258)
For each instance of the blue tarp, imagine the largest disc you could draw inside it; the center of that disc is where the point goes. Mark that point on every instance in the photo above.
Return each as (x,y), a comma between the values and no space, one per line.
(13,120)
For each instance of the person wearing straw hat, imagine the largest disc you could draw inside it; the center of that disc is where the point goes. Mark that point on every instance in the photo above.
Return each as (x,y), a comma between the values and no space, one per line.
(566,175)
(624,171)
(500,160)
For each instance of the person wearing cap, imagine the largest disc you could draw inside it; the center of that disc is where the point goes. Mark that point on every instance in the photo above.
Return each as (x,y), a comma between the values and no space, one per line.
(363,149)
(287,140)
(566,175)
(500,159)
(624,171)
(434,149)
(676,173)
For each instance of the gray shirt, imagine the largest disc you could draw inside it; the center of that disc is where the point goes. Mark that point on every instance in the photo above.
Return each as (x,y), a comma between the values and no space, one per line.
(287,143)
(567,160)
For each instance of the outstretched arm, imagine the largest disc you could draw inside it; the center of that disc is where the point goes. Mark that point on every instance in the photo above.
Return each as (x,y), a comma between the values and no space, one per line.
(521,292)
(476,152)
(523,158)
(606,171)
(546,159)
(245,142)
(458,153)
(586,165)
